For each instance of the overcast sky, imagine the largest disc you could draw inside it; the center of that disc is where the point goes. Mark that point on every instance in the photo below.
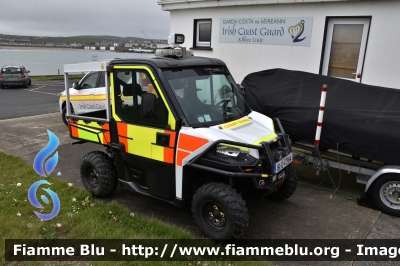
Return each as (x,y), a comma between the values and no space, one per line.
(124,18)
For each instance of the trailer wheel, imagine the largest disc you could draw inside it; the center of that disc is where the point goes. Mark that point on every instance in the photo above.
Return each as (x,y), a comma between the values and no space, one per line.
(98,174)
(385,192)
(219,211)
(288,187)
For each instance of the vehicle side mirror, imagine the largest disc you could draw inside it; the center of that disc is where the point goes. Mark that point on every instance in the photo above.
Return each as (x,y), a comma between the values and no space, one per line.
(148,105)
(28,71)
(76,86)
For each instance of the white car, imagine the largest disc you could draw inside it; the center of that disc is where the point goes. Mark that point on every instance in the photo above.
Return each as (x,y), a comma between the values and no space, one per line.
(89,95)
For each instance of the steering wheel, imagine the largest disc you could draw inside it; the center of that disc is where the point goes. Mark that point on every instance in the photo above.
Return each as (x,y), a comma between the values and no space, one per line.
(219,106)
(225,101)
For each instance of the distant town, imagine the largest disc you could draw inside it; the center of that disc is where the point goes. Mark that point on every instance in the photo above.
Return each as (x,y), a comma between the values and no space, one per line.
(87,42)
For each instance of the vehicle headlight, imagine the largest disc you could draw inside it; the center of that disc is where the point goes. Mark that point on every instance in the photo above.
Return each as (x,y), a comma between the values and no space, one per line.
(232,151)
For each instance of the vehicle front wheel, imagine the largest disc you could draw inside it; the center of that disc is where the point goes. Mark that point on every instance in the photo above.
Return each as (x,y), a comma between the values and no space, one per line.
(385,192)
(64,114)
(219,211)
(98,174)
(288,186)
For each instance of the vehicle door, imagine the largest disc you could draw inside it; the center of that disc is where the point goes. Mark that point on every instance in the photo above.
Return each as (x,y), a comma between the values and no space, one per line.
(83,95)
(147,156)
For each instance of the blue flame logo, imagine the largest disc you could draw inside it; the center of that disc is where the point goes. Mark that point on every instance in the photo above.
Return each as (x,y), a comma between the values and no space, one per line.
(49,166)
(32,198)
(44,153)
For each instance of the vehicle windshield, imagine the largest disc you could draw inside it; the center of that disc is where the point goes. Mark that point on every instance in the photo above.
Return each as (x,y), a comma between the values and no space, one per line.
(11,70)
(207,95)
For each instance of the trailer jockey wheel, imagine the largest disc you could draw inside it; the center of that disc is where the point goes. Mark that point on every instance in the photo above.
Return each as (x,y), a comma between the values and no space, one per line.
(385,192)
(219,211)
(98,174)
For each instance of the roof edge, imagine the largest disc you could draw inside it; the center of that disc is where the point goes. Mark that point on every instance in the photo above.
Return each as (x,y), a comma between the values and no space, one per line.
(168,5)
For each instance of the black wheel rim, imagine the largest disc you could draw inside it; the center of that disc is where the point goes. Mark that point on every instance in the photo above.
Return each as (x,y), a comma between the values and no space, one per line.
(213,215)
(92,177)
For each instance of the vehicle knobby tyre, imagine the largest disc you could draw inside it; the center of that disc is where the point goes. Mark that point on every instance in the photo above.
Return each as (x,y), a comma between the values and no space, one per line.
(98,174)
(219,211)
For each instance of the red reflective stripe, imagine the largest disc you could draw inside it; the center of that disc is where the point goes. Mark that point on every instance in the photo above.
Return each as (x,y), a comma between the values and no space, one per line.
(74,130)
(316,141)
(324,89)
(190,143)
(168,155)
(172,137)
(180,156)
(319,124)
(106,133)
(321,108)
(122,134)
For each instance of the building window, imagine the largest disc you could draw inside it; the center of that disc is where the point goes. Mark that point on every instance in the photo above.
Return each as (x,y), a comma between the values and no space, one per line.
(202,34)
(345,46)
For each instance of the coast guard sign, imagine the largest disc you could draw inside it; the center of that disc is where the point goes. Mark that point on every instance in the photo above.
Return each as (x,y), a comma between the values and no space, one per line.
(266,30)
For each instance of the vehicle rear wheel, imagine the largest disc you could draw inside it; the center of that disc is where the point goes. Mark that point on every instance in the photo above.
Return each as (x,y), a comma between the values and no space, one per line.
(219,211)
(98,174)
(288,186)
(30,82)
(64,114)
(26,84)
(385,192)
(2,86)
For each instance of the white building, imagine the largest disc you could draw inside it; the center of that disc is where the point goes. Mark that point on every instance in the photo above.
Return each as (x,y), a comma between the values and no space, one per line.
(342,38)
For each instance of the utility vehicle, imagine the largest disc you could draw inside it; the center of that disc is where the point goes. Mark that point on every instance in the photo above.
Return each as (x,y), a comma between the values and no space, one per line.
(177,128)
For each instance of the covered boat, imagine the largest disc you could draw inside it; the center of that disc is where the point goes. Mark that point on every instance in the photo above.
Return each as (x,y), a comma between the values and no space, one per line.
(361,120)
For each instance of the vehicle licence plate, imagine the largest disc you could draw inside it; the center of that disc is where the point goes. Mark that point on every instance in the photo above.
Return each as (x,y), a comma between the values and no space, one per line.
(283,163)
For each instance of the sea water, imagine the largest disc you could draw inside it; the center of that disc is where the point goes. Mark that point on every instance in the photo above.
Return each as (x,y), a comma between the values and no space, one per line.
(49,62)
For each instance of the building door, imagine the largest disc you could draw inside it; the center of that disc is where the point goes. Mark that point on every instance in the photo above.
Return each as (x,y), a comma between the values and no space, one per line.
(345,45)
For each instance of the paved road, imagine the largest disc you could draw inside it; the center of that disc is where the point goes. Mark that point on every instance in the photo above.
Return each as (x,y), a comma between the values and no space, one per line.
(313,212)
(39,98)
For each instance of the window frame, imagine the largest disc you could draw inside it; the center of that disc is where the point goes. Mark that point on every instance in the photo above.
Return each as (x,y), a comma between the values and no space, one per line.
(135,101)
(197,44)
(328,19)
(87,77)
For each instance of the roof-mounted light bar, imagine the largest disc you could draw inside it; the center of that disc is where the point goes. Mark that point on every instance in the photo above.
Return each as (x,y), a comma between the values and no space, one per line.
(176,39)
(174,50)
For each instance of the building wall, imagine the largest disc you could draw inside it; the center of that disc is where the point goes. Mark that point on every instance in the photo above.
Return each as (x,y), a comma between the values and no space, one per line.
(381,65)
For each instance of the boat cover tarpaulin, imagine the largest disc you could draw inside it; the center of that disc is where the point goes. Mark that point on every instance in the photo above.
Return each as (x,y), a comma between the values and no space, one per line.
(363,120)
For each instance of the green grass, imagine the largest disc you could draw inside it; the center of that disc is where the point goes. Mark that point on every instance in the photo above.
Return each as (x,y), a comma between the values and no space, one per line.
(55,77)
(90,219)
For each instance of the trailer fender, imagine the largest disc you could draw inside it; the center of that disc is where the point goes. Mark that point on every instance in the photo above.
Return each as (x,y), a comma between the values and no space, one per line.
(387,169)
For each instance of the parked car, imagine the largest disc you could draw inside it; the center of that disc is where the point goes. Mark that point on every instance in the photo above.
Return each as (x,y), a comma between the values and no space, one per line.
(89,95)
(14,76)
